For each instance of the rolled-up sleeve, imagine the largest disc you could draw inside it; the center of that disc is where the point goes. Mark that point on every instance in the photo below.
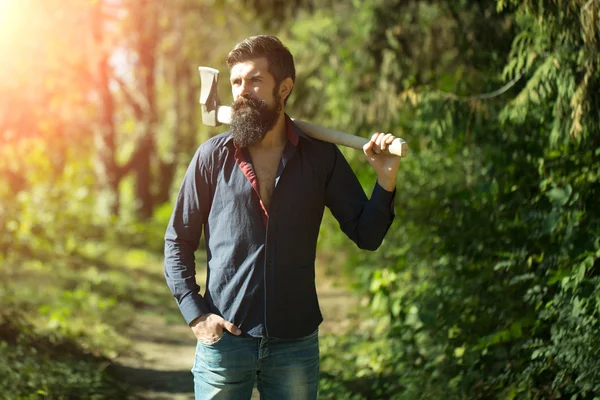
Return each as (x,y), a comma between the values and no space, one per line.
(183,236)
(365,221)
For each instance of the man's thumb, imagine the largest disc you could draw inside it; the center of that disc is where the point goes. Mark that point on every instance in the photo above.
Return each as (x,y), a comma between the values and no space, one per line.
(231,328)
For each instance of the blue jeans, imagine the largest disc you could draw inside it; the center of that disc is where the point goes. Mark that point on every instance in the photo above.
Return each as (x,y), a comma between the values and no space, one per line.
(282,368)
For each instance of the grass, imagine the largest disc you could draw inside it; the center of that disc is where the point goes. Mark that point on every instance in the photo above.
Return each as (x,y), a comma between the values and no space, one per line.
(64,318)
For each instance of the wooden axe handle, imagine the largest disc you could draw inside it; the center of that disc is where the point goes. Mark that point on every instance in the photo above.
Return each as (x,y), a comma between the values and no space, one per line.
(398,147)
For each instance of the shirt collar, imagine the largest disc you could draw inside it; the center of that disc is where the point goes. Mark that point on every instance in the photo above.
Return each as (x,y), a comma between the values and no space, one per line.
(294,132)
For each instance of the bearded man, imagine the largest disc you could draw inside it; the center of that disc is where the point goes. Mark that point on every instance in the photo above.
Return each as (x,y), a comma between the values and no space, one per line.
(259,192)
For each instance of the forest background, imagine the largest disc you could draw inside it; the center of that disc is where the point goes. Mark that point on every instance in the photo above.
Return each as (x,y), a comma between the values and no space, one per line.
(487,285)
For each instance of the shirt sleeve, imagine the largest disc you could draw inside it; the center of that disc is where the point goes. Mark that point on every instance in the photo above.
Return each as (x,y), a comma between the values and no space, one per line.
(182,238)
(365,221)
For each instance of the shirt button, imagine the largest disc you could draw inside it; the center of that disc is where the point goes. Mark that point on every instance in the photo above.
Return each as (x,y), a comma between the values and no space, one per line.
(270,265)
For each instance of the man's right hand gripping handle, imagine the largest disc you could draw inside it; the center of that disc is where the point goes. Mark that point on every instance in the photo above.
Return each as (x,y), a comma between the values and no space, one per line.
(208,328)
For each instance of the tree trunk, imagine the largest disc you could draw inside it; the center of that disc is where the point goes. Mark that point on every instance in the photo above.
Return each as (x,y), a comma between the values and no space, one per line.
(107,170)
(147,27)
(179,83)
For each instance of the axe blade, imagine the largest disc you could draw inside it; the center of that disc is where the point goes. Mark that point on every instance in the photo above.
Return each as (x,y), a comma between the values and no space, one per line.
(209,96)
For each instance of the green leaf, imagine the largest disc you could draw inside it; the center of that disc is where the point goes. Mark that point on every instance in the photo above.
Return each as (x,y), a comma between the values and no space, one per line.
(580,273)
(559,196)
(459,351)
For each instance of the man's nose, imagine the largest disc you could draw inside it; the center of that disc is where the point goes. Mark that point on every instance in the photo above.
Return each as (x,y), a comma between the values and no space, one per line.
(245,89)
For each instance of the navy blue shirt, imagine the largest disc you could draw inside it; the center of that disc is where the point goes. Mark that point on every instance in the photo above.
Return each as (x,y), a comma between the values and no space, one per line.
(261,264)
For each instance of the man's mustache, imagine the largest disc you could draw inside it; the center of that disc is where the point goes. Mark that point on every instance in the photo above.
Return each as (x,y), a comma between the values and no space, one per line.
(248,102)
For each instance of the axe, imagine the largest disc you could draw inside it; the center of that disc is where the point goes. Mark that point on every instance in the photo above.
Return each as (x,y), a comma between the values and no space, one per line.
(214,114)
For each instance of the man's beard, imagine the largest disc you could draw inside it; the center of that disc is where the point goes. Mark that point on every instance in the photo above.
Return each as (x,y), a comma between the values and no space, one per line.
(251,119)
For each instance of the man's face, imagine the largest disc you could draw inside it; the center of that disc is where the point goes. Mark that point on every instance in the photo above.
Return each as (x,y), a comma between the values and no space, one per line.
(252,79)
(256,103)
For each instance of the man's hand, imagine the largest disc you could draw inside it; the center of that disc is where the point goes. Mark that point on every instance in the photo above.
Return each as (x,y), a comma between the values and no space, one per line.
(209,328)
(385,165)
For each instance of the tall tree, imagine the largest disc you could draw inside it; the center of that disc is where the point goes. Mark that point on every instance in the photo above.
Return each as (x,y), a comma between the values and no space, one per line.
(108,171)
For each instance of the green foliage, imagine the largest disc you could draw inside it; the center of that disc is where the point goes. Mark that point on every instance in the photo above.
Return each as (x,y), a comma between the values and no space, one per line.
(70,279)
(36,366)
(486,286)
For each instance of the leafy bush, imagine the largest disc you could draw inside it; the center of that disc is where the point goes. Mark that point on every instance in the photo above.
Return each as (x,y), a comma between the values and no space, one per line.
(36,366)
(487,284)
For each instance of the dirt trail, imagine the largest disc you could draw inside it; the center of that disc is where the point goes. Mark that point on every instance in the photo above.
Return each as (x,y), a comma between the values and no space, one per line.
(162,352)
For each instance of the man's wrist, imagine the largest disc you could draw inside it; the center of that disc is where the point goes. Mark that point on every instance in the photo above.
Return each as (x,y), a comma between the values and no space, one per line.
(387,183)
(197,319)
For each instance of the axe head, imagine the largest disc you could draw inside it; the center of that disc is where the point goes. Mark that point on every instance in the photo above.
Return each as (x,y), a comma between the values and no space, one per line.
(209,98)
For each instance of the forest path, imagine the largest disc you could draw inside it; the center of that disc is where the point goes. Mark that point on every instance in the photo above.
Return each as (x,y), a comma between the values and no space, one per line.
(162,346)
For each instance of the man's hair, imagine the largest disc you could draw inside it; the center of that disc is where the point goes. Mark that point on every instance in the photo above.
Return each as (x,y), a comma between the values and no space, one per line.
(281,61)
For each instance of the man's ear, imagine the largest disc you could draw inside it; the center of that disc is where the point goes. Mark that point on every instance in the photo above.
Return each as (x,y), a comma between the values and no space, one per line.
(285,87)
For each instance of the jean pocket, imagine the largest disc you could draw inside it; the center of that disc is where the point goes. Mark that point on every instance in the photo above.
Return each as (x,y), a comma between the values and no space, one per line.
(215,342)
